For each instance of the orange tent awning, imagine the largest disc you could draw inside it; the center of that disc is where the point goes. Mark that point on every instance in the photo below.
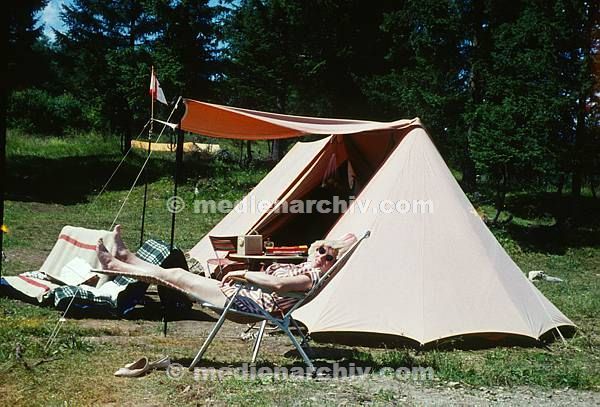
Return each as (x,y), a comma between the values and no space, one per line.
(235,123)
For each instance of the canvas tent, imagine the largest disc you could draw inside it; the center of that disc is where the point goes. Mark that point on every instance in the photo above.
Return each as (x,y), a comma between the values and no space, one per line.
(428,272)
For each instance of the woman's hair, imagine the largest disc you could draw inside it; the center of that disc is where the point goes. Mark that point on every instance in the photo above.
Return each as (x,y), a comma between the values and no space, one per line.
(340,246)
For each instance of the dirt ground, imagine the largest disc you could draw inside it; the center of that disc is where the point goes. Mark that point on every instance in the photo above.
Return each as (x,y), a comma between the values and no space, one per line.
(187,335)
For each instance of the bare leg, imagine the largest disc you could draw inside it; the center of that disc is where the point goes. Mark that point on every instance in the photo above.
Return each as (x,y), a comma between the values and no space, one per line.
(204,289)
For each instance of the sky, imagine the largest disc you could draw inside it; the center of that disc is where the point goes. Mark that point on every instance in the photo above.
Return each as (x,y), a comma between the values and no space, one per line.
(50,17)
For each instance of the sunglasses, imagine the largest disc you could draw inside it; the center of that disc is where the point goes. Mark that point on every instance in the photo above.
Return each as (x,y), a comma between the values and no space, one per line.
(322,250)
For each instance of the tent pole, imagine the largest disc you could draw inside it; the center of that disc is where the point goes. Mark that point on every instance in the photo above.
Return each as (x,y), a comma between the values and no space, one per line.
(174,209)
(177,178)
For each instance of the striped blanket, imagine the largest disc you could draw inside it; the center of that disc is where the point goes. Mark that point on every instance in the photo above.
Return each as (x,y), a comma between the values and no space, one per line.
(47,283)
(33,285)
(72,242)
(75,242)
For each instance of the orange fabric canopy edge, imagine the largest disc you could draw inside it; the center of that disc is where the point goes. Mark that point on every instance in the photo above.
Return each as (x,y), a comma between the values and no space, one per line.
(235,123)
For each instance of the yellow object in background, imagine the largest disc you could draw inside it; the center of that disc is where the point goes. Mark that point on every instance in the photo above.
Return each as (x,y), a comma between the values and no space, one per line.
(188,147)
(4,229)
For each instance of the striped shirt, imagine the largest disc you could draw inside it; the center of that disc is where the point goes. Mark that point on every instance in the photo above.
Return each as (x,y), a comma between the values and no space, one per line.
(247,299)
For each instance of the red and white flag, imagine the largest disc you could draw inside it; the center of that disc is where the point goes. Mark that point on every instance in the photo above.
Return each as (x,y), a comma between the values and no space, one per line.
(156,91)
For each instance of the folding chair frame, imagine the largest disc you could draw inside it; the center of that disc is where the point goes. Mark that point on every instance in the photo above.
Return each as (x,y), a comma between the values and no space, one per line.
(220,243)
(282,323)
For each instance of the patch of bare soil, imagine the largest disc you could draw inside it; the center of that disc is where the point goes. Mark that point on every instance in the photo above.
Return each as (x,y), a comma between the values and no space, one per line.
(19,260)
(186,336)
(442,394)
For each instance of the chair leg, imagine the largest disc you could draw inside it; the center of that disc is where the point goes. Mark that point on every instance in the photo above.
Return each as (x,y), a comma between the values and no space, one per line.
(208,341)
(257,342)
(304,337)
(214,331)
(307,360)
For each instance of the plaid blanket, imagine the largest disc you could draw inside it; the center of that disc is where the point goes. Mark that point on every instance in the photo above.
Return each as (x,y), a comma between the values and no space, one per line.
(154,251)
(86,296)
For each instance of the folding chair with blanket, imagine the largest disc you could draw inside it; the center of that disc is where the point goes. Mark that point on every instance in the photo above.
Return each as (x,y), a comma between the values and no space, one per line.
(261,315)
(223,264)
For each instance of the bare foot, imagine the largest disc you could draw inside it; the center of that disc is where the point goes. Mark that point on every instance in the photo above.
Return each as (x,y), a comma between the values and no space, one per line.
(113,266)
(107,260)
(121,251)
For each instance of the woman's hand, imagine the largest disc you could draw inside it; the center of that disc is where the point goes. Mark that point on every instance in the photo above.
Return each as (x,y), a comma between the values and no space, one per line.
(233,275)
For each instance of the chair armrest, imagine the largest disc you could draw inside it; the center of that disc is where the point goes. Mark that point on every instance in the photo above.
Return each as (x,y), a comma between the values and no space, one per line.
(292,294)
(246,284)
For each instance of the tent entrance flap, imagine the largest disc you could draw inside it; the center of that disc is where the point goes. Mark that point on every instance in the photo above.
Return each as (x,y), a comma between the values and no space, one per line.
(275,184)
(319,197)
(293,204)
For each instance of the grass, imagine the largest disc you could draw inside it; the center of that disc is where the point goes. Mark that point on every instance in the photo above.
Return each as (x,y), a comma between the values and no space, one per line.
(54,182)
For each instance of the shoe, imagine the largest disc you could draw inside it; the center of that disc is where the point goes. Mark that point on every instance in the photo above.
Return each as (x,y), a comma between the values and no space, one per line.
(161,363)
(135,369)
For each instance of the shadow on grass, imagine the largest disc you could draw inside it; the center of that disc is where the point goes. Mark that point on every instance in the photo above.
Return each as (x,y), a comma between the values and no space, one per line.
(564,232)
(552,239)
(548,204)
(150,311)
(329,363)
(71,180)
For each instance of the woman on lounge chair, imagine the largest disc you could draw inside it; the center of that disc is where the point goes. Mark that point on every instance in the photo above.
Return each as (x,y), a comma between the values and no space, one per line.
(277,277)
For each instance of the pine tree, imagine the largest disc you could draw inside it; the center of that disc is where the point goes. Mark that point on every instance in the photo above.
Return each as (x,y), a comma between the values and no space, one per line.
(105,56)
(427,74)
(186,47)
(24,32)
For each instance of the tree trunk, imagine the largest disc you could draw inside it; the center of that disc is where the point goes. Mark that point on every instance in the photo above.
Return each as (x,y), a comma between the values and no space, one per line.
(560,186)
(578,157)
(278,145)
(131,32)
(480,51)
(126,141)
(500,198)
(276,151)
(128,133)
(248,152)
(501,195)
(581,131)
(469,179)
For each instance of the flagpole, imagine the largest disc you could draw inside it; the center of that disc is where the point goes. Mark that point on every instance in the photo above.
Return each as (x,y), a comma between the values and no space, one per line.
(149,149)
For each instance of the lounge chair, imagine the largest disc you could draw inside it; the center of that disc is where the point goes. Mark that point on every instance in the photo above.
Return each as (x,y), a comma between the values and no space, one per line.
(282,322)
